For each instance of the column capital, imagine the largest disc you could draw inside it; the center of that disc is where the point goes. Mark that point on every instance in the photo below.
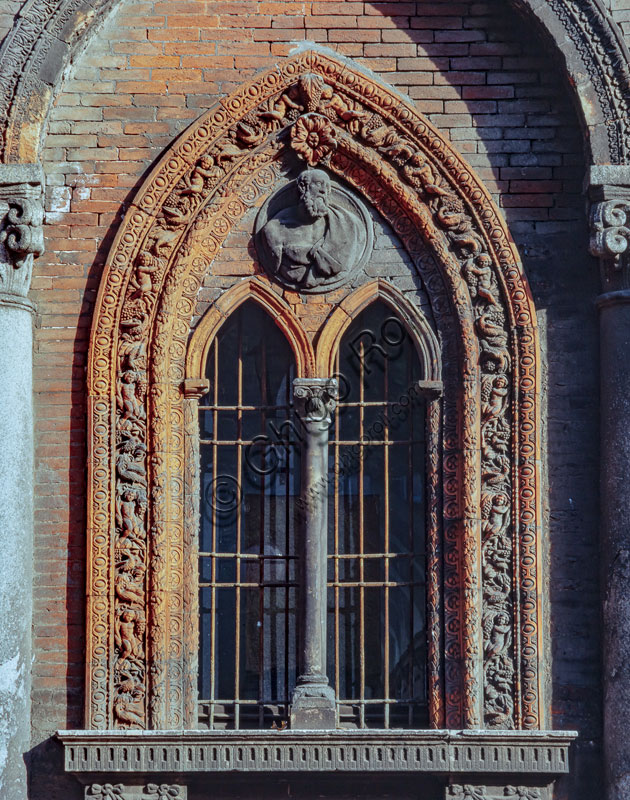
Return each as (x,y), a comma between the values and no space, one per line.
(21,219)
(315,399)
(195,388)
(609,192)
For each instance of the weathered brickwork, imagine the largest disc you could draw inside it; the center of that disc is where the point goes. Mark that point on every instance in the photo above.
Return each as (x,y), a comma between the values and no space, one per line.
(481,74)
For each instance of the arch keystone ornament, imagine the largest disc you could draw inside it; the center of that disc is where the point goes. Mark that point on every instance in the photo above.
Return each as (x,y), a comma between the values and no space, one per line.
(485,664)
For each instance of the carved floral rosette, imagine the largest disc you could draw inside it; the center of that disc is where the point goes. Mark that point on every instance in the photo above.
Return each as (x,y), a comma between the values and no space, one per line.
(484,516)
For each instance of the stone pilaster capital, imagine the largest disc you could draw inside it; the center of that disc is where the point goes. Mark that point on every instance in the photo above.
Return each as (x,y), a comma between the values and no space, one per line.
(610,228)
(315,399)
(609,192)
(21,220)
(195,388)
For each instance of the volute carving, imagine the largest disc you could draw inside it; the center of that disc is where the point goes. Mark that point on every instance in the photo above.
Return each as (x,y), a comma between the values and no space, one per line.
(21,231)
(325,113)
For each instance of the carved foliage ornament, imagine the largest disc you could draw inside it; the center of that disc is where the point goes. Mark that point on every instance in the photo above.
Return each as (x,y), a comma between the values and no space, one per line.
(150,791)
(316,399)
(21,231)
(610,228)
(470,792)
(204,185)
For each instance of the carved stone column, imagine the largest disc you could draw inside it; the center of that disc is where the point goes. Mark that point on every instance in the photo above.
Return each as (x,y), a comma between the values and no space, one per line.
(610,240)
(21,239)
(313,701)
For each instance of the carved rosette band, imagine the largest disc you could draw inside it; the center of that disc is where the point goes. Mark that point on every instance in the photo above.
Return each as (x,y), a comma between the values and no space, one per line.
(21,231)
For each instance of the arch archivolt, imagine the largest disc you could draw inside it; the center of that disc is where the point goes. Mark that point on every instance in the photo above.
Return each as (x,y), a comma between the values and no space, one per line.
(484,504)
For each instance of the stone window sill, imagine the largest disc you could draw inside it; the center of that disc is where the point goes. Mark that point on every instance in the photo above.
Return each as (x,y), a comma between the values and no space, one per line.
(490,752)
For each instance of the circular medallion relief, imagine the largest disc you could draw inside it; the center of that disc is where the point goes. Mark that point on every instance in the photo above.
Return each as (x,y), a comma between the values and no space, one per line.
(313,234)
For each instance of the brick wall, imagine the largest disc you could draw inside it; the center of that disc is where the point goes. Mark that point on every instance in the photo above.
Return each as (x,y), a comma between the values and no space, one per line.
(481,75)
(620,10)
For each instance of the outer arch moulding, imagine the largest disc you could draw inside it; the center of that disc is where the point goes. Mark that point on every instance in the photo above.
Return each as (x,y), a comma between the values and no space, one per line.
(152,268)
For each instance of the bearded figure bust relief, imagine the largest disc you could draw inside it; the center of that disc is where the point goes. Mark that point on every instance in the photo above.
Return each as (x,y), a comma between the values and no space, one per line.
(313,234)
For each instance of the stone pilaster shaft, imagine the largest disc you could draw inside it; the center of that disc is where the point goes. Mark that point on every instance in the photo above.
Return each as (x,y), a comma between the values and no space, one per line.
(610,240)
(313,701)
(20,241)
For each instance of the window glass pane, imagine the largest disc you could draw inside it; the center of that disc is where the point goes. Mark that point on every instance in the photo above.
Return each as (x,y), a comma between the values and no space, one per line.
(250,482)
(376,541)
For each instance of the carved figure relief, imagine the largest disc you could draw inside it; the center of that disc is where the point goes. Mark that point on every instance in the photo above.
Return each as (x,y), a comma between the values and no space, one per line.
(313,235)
(327,114)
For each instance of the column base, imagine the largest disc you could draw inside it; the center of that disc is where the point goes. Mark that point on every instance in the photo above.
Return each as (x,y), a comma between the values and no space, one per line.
(313,707)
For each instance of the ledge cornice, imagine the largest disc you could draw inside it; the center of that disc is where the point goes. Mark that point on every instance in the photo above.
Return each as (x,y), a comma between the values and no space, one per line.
(432,751)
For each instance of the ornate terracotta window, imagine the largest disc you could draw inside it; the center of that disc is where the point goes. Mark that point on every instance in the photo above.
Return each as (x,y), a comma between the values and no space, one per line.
(306,160)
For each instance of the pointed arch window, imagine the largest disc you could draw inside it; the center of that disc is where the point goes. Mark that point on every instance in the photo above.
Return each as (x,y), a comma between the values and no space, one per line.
(377,545)
(247,539)
(252,537)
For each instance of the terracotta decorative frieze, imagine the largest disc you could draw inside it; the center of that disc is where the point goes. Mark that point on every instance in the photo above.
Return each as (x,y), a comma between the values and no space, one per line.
(488,669)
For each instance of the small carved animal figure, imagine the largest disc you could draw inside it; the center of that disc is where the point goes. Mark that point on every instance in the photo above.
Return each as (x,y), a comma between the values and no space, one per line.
(226,151)
(127,588)
(168,228)
(493,340)
(387,140)
(126,713)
